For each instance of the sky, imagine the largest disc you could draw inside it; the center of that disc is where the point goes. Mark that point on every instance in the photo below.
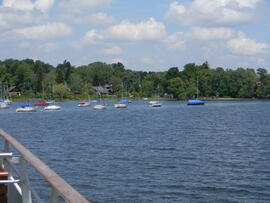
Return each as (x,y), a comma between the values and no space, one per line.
(149,35)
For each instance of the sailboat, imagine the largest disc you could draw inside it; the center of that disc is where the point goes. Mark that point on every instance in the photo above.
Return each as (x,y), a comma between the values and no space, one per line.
(123,103)
(51,106)
(84,103)
(26,108)
(156,103)
(3,103)
(196,101)
(100,106)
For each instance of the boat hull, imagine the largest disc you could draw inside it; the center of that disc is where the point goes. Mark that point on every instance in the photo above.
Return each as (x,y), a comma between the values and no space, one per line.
(99,107)
(84,104)
(3,105)
(120,106)
(26,109)
(156,105)
(195,102)
(52,108)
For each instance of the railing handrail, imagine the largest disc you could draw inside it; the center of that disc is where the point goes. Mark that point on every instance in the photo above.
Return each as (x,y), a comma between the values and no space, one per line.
(67,192)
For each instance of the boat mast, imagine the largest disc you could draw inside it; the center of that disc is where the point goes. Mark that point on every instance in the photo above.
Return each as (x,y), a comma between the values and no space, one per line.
(158,93)
(197,88)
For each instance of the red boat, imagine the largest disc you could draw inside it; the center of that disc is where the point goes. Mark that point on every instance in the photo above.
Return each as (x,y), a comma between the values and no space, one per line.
(41,103)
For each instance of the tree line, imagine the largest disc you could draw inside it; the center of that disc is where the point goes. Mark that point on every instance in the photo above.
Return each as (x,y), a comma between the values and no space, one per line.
(39,79)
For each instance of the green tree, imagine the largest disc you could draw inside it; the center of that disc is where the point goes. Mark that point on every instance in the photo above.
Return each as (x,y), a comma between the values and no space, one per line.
(60,91)
(176,87)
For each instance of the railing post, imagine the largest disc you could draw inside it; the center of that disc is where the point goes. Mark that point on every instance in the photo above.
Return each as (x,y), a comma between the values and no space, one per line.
(54,196)
(26,193)
(6,146)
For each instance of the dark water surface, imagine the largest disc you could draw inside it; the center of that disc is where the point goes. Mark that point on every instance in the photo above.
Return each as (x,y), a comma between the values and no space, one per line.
(219,152)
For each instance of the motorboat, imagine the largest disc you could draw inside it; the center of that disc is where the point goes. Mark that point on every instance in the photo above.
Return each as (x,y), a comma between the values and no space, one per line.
(52,108)
(99,107)
(84,103)
(26,108)
(41,103)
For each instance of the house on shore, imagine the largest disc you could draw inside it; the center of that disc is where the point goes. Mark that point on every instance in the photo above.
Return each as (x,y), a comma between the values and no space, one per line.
(106,89)
(14,90)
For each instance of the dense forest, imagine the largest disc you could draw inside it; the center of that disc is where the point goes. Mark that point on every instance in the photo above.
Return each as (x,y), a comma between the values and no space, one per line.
(38,79)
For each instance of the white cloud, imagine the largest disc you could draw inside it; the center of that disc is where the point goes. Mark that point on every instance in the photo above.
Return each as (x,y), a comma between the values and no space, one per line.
(243,45)
(175,41)
(44,5)
(202,33)
(119,60)
(28,5)
(92,37)
(25,5)
(44,32)
(115,50)
(213,13)
(48,47)
(100,19)
(9,20)
(83,6)
(148,29)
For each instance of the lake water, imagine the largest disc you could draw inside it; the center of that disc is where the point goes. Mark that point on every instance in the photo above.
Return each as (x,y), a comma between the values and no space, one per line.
(219,152)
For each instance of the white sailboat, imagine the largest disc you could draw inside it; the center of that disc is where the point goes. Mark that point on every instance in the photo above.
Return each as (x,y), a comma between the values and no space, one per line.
(4,105)
(123,103)
(52,106)
(84,103)
(156,103)
(99,106)
(26,108)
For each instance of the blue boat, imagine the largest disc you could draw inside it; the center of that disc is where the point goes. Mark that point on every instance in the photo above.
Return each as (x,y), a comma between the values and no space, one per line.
(195,102)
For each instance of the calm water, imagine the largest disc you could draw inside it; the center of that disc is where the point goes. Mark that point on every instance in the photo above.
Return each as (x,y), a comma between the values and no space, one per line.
(219,152)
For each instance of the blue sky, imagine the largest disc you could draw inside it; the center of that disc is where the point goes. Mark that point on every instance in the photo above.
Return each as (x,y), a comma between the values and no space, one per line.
(151,35)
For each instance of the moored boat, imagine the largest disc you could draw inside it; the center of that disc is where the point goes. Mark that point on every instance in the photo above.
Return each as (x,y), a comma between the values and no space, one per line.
(3,105)
(41,103)
(83,103)
(99,107)
(120,105)
(157,104)
(152,102)
(52,108)
(195,102)
(26,108)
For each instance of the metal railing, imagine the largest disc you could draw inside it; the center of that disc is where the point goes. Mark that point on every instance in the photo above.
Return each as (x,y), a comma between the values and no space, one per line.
(59,187)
